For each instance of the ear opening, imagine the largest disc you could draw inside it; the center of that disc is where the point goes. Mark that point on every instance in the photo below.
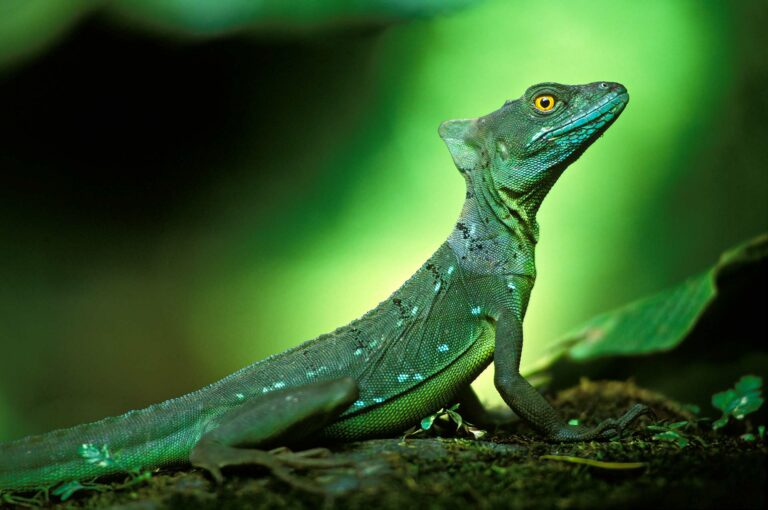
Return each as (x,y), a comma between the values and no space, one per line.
(460,136)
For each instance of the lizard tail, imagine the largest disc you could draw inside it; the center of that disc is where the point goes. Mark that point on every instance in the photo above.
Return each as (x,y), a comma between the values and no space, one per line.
(158,435)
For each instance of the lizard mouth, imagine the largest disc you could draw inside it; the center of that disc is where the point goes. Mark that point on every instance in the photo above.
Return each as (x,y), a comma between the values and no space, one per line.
(595,121)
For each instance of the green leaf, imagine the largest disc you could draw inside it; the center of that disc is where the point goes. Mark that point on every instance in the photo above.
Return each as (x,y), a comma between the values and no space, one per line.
(761,431)
(573,421)
(669,435)
(747,406)
(456,417)
(674,437)
(658,322)
(725,400)
(476,432)
(743,399)
(66,489)
(426,423)
(747,437)
(748,384)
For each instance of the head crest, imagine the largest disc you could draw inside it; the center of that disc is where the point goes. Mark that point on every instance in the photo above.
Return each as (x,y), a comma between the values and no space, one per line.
(460,136)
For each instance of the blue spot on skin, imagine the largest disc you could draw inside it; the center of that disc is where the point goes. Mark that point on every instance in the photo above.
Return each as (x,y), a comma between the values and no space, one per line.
(414,310)
(275,386)
(358,352)
(313,373)
(239,396)
(450,270)
(358,403)
(402,377)
(418,377)
(378,400)
(399,323)
(442,348)
(437,286)
(511,285)
(475,310)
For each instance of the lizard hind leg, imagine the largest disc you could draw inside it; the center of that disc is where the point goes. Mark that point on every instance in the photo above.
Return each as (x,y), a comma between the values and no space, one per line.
(244,435)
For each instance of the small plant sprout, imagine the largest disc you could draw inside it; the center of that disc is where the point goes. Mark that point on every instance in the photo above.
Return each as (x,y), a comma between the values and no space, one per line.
(744,398)
(67,489)
(751,436)
(675,433)
(442,417)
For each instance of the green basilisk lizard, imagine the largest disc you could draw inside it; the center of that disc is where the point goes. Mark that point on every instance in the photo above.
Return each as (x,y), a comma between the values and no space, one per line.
(415,352)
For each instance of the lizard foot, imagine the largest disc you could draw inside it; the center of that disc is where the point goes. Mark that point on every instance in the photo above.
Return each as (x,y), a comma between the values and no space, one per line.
(314,453)
(608,429)
(214,456)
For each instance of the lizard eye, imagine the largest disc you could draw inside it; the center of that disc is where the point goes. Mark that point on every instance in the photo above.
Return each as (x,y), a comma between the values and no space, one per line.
(544,102)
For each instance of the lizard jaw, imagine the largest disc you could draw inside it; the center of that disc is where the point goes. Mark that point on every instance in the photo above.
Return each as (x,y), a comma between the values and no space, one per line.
(594,121)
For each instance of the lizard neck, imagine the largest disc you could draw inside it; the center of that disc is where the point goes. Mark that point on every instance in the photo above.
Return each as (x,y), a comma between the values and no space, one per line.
(497,231)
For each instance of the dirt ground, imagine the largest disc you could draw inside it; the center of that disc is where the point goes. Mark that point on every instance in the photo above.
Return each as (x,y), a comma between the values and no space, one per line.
(508,468)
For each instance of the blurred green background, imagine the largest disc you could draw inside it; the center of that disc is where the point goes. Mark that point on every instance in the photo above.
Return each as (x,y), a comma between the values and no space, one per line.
(186,189)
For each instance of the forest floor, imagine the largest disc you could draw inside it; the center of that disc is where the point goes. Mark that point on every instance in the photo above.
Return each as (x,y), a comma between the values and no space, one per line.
(508,468)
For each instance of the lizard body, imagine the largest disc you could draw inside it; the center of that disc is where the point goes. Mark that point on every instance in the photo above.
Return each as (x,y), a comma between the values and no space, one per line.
(412,354)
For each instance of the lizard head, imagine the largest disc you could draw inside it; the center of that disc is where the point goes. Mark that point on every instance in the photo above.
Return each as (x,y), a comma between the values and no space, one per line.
(524,146)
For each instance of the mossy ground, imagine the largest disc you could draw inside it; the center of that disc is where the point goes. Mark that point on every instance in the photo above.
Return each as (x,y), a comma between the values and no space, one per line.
(504,470)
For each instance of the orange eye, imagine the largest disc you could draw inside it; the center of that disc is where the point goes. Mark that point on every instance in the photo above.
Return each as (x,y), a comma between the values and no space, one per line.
(544,102)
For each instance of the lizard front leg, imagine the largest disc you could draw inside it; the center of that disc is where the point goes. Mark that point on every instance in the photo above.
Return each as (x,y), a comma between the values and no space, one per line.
(243,435)
(529,404)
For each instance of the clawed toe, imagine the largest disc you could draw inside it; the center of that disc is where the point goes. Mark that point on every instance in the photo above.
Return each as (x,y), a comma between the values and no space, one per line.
(311,453)
(608,429)
(615,427)
(635,412)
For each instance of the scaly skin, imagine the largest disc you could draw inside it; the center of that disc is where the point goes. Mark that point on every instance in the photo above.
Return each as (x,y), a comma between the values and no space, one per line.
(404,359)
